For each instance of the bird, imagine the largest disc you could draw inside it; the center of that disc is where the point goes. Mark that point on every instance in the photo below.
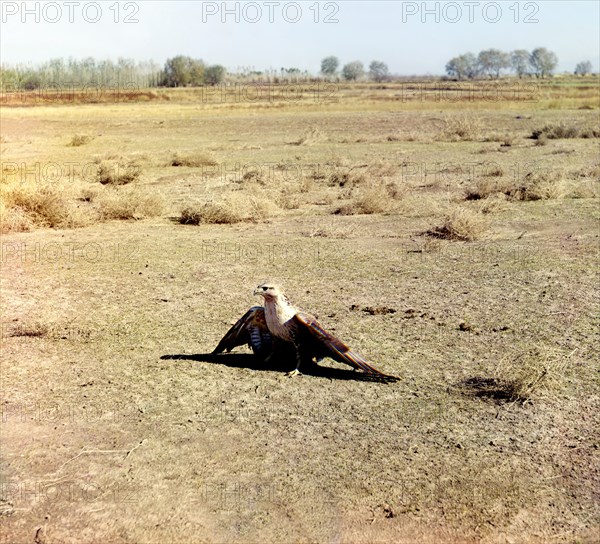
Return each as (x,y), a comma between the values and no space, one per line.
(280,323)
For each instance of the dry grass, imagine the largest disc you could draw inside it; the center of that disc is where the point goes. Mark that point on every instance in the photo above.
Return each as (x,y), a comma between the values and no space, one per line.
(289,197)
(585,189)
(129,203)
(540,373)
(368,201)
(344,177)
(28,206)
(494,203)
(32,330)
(329,229)
(14,219)
(463,128)
(544,185)
(195,159)
(80,139)
(591,170)
(536,185)
(561,131)
(116,172)
(487,472)
(232,208)
(311,137)
(461,224)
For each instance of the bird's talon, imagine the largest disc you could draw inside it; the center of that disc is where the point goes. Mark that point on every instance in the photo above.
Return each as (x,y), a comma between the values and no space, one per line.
(294,372)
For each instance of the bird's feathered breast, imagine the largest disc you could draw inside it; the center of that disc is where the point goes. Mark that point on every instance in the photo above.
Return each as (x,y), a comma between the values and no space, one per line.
(279,315)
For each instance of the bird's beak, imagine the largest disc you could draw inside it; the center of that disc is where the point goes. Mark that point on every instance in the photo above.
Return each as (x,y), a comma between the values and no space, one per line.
(257,291)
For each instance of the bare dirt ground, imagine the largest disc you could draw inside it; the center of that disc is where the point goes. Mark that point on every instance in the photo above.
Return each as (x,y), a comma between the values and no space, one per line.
(117,426)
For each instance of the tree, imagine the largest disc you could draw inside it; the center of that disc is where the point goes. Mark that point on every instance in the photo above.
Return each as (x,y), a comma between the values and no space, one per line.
(492,62)
(353,70)
(214,75)
(543,62)
(182,71)
(520,62)
(329,65)
(463,66)
(583,68)
(378,71)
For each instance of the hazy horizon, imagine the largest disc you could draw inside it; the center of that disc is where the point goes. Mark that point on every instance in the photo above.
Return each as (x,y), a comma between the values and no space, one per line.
(412,38)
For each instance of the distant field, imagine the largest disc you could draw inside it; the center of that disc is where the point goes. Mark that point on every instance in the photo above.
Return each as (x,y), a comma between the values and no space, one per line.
(448,231)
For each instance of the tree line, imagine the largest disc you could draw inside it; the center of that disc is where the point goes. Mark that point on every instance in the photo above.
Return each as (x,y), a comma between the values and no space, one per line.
(185,71)
(378,71)
(492,63)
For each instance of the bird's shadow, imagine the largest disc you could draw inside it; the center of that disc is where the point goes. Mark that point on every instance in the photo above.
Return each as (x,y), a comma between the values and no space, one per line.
(252,362)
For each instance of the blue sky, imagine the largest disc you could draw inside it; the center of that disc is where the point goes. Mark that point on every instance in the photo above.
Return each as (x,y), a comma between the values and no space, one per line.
(411,37)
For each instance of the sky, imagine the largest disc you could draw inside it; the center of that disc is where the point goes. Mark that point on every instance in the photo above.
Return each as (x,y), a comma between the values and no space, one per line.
(411,37)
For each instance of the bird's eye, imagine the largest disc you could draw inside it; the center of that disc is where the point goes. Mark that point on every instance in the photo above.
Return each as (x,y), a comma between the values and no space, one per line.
(264,288)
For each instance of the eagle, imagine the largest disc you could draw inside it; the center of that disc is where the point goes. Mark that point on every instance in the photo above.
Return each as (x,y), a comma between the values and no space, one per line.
(278,322)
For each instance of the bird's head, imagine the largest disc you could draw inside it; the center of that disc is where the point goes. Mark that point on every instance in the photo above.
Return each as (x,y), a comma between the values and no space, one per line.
(268,291)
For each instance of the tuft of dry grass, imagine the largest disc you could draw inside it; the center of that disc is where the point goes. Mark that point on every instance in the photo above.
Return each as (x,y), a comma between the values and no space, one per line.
(220,213)
(232,208)
(585,189)
(129,203)
(79,140)
(195,160)
(26,206)
(344,177)
(563,131)
(536,185)
(311,137)
(461,224)
(496,202)
(116,172)
(540,373)
(368,201)
(465,128)
(539,185)
(289,197)
(482,188)
(29,205)
(14,219)
(591,170)
(31,330)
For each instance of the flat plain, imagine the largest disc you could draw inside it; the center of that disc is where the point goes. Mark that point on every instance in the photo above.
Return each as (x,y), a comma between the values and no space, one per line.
(447,233)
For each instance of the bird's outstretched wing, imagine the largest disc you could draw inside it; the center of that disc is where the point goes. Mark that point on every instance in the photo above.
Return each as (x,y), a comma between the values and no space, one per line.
(324,344)
(250,329)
